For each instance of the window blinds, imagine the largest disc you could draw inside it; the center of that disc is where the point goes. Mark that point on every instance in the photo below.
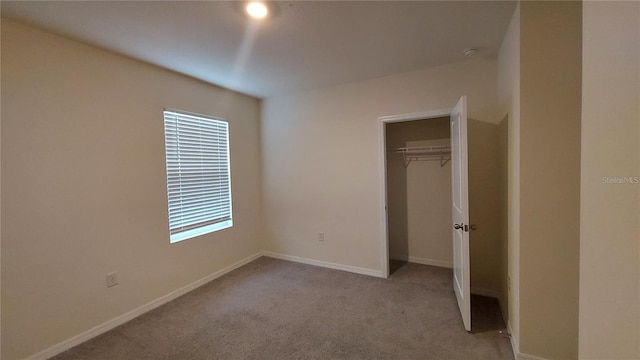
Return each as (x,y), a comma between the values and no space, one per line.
(198,174)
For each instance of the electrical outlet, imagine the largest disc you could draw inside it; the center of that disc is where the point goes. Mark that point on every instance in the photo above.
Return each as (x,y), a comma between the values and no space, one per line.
(321,236)
(112,279)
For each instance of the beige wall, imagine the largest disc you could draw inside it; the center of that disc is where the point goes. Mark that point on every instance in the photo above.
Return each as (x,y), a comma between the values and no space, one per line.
(509,108)
(321,165)
(419,196)
(484,211)
(84,193)
(0,202)
(419,201)
(550,115)
(503,216)
(609,217)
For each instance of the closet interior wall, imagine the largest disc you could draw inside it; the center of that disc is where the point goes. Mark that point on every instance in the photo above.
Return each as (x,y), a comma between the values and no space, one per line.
(485,183)
(419,202)
(419,196)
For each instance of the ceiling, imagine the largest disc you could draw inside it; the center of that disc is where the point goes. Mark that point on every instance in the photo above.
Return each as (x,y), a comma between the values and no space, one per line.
(302,45)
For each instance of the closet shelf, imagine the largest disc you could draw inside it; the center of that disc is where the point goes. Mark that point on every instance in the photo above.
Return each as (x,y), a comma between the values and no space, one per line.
(425,153)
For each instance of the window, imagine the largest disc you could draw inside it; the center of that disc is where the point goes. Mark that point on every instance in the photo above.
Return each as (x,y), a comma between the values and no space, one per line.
(198,174)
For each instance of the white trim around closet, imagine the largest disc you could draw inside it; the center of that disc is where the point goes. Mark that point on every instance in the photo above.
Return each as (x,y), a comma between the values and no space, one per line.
(382,161)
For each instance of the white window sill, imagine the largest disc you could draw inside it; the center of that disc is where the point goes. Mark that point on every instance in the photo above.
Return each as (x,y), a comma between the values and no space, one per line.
(200,231)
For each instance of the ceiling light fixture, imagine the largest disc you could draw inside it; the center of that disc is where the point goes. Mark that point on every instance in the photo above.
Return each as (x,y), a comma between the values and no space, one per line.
(257,10)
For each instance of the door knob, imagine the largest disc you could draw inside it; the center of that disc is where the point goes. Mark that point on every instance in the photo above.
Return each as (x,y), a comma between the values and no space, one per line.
(473,227)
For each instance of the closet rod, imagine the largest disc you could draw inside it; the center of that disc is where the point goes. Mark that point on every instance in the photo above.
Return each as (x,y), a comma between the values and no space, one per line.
(425,153)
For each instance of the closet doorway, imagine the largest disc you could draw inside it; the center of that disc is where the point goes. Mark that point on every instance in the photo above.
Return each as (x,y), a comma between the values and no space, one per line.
(419,192)
(426,206)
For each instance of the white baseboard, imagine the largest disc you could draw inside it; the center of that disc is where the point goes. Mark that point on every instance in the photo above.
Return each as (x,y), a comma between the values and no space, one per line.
(445,264)
(330,265)
(515,346)
(514,341)
(106,326)
(522,356)
(423,261)
(485,292)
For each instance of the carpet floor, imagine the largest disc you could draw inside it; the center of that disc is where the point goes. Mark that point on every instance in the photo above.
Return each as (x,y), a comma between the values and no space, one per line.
(275,309)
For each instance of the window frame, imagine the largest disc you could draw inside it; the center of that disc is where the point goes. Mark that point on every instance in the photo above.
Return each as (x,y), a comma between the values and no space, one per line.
(176,156)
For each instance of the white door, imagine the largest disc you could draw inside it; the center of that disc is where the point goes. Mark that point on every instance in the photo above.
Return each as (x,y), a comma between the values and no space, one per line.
(460,194)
